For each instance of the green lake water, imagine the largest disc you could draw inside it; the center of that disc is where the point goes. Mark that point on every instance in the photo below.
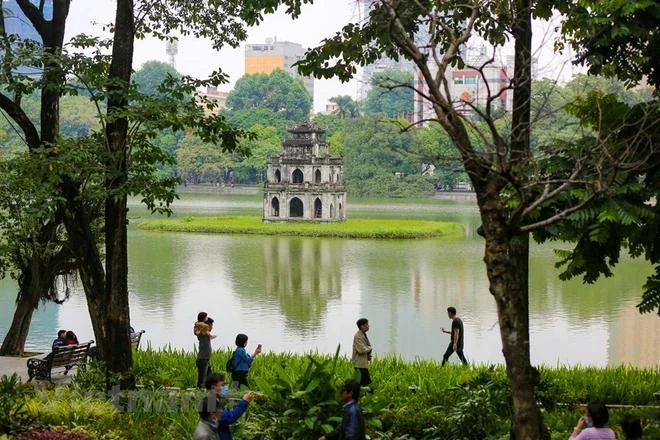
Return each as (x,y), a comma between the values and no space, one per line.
(302,294)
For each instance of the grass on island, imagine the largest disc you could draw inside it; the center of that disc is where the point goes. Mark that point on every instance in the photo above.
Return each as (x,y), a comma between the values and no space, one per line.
(352,228)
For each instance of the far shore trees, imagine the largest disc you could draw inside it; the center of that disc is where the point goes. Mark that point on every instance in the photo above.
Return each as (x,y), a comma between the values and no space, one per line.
(277,91)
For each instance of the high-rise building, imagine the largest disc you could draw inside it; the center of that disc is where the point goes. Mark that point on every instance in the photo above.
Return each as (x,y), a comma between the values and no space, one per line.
(483,77)
(17,23)
(380,65)
(273,54)
(383,63)
(219,98)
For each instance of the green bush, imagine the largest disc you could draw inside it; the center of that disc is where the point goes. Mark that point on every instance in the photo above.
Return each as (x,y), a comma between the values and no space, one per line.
(67,407)
(301,402)
(301,399)
(14,416)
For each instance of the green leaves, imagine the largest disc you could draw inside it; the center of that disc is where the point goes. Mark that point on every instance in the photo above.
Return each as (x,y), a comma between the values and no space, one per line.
(615,37)
(301,403)
(391,94)
(278,92)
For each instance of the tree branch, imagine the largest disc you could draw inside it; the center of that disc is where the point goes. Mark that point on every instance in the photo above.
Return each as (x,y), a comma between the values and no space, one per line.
(17,114)
(33,13)
(559,216)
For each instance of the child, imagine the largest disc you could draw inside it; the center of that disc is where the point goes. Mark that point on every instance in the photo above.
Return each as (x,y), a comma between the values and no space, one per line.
(352,423)
(201,327)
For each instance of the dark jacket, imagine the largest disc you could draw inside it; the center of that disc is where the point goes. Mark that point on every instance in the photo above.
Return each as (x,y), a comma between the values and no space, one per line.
(352,424)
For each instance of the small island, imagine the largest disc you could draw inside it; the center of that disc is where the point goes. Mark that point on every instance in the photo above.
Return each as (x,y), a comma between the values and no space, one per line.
(352,228)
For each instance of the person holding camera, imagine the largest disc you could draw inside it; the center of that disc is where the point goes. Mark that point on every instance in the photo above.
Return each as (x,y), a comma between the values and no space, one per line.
(241,361)
(591,426)
(215,419)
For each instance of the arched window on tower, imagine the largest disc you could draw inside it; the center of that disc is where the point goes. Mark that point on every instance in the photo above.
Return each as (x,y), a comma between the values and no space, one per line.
(318,208)
(295,207)
(341,213)
(317,176)
(297,176)
(278,176)
(275,207)
(332,210)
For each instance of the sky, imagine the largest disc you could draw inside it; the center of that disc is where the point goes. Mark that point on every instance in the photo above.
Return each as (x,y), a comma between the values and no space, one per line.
(318,21)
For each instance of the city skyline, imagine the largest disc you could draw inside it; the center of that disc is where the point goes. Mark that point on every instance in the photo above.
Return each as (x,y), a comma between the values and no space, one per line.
(318,21)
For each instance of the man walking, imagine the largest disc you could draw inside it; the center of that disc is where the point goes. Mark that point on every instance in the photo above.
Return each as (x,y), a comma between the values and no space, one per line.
(456,341)
(362,351)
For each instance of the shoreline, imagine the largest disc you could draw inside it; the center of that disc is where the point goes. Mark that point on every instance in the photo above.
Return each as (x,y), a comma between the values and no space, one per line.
(256,189)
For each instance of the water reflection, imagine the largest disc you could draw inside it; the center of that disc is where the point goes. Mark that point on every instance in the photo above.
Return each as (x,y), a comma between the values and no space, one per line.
(45,320)
(300,294)
(301,276)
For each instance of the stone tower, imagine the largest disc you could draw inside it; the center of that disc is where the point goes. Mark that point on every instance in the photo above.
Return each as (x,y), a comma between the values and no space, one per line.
(305,183)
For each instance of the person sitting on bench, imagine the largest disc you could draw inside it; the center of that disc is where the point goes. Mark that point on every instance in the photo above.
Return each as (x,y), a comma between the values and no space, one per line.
(60,339)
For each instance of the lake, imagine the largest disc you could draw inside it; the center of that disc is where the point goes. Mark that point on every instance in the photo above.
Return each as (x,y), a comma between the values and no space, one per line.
(301,294)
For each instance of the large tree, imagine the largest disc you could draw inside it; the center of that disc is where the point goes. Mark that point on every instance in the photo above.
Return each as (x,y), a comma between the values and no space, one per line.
(36,272)
(152,74)
(200,162)
(347,107)
(515,187)
(618,39)
(129,124)
(267,143)
(126,149)
(278,91)
(391,94)
(380,161)
(614,37)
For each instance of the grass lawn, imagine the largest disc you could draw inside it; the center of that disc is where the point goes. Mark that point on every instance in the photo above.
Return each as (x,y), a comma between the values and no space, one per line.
(352,228)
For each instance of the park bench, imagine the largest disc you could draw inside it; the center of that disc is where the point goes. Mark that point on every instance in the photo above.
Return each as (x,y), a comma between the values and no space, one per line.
(135,339)
(65,356)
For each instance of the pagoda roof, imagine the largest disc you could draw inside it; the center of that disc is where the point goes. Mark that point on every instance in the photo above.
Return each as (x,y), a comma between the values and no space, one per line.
(305,128)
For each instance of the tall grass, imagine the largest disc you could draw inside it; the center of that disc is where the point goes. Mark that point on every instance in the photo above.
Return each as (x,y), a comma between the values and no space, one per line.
(420,399)
(394,376)
(352,228)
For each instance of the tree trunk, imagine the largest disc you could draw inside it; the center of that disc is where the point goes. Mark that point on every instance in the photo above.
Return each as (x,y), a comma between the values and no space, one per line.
(507,252)
(506,259)
(90,266)
(118,354)
(33,285)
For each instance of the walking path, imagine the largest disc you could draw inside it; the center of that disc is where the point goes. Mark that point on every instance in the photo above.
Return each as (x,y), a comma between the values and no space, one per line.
(10,365)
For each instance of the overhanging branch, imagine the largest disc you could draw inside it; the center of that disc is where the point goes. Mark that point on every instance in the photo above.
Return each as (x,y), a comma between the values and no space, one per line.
(18,115)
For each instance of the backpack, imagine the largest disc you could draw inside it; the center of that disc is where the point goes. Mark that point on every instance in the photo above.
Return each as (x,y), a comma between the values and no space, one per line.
(230,363)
